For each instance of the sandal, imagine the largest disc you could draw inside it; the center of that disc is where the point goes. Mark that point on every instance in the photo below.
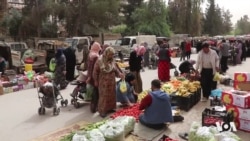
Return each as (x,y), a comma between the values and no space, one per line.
(184,136)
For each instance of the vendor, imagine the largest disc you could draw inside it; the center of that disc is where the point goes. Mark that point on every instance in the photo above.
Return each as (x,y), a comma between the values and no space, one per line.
(2,65)
(126,98)
(187,66)
(157,108)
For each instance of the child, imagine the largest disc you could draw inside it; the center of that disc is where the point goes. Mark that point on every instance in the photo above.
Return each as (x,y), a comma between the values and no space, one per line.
(128,97)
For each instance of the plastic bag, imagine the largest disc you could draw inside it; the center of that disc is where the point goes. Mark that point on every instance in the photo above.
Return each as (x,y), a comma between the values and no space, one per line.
(127,121)
(227,136)
(216,93)
(216,77)
(80,136)
(113,131)
(95,135)
(52,64)
(123,86)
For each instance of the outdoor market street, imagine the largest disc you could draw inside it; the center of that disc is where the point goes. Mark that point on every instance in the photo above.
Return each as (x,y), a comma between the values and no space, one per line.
(19,120)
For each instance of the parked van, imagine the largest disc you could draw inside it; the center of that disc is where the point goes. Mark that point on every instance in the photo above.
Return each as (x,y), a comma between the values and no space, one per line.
(17,45)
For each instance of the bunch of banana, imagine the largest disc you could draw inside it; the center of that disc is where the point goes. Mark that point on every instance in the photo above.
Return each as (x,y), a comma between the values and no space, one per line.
(122,65)
(183,91)
(168,88)
(142,95)
(196,84)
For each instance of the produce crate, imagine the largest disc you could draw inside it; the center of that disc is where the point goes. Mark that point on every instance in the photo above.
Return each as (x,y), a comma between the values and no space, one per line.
(174,100)
(198,95)
(185,103)
(211,116)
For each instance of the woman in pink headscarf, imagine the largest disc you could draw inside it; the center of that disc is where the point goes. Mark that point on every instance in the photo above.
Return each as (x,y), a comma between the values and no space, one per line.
(93,56)
(135,66)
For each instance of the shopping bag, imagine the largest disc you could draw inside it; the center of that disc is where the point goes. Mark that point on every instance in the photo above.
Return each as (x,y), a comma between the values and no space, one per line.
(123,86)
(216,77)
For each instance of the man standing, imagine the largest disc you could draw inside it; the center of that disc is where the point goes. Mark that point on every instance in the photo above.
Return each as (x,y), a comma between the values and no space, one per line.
(208,65)
(224,52)
(183,52)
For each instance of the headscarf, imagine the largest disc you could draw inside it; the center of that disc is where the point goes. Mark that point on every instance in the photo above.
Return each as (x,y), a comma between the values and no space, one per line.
(104,48)
(94,51)
(140,50)
(192,62)
(105,64)
(59,53)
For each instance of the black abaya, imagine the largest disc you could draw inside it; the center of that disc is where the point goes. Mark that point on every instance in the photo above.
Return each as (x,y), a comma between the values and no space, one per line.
(70,63)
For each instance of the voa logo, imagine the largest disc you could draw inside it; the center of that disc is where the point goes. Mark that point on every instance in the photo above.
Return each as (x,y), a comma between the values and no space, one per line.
(223,126)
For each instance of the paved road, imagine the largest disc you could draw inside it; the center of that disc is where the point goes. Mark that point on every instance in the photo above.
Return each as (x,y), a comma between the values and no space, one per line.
(19,120)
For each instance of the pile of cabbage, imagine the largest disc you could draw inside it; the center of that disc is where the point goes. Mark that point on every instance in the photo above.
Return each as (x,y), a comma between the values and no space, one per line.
(203,133)
(113,130)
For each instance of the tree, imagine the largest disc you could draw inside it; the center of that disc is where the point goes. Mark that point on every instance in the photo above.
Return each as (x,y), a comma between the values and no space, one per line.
(151,18)
(12,22)
(243,25)
(127,8)
(226,21)
(185,16)
(213,19)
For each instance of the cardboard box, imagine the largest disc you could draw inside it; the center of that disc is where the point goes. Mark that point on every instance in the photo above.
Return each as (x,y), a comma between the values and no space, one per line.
(239,113)
(230,98)
(242,76)
(242,86)
(242,124)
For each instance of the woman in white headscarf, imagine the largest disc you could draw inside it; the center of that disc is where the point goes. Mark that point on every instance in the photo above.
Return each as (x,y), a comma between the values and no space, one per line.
(104,75)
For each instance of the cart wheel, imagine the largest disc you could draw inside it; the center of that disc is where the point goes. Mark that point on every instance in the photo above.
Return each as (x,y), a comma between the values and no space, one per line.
(43,111)
(58,111)
(77,105)
(72,101)
(55,111)
(62,103)
(40,111)
(66,102)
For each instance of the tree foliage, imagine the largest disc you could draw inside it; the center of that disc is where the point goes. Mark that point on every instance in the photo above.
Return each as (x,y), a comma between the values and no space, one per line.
(151,18)
(243,26)
(217,21)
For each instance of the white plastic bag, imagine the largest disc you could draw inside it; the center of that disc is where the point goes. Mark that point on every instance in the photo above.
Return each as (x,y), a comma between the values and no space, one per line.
(127,121)
(96,135)
(113,131)
(80,136)
(123,86)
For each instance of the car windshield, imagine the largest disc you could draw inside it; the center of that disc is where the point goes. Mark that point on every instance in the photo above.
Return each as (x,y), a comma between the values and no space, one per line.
(69,41)
(83,42)
(125,41)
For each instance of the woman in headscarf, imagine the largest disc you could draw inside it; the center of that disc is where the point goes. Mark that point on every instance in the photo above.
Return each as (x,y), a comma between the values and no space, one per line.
(60,70)
(93,56)
(135,61)
(187,66)
(104,75)
(164,63)
(70,63)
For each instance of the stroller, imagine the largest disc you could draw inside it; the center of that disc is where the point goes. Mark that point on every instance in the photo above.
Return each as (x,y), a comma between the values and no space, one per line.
(48,97)
(79,90)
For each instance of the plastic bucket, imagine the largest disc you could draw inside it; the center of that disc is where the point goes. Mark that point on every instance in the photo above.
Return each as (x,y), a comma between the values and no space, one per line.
(28,67)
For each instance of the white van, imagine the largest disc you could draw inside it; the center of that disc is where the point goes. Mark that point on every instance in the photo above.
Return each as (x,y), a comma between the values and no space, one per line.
(17,45)
(79,44)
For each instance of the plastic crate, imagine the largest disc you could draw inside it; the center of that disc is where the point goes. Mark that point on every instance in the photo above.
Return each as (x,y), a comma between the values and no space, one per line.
(185,103)
(210,117)
(215,101)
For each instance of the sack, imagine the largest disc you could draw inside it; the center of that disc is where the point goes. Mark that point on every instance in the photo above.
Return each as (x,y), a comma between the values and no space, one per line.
(123,86)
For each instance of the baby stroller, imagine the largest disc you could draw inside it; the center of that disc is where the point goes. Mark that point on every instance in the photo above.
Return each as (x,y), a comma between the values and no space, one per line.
(48,97)
(79,90)
(153,60)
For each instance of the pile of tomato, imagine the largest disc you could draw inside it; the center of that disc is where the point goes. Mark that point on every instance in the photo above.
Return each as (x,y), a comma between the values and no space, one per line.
(128,111)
